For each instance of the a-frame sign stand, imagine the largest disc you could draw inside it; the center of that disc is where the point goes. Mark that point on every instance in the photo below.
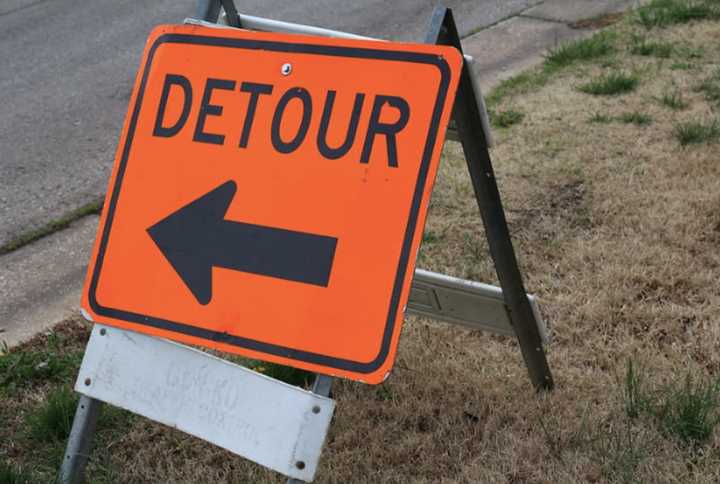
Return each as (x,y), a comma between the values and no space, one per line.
(472,135)
(507,310)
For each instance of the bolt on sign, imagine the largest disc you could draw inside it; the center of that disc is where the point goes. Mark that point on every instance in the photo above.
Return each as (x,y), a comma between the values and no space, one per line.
(269,194)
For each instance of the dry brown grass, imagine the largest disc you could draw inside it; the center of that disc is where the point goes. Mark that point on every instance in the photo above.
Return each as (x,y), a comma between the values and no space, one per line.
(617,228)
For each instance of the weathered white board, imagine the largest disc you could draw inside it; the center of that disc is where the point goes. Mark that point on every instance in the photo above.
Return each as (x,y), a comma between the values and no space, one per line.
(468,303)
(277,425)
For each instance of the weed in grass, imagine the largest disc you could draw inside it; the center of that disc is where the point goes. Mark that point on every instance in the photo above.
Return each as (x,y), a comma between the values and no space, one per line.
(614,83)
(673,100)
(384,393)
(519,84)
(615,445)
(681,66)
(505,119)
(710,86)
(696,132)
(600,118)
(13,475)
(636,398)
(644,47)
(661,13)
(51,422)
(599,45)
(621,449)
(687,52)
(636,117)
(690,411)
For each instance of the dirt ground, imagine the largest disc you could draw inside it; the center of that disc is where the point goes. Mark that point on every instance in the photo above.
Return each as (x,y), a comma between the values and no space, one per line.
(617,230)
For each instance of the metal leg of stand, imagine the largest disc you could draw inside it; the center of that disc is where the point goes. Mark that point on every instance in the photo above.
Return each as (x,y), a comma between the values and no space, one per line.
(208,10)
(321,386)
(79,443)
(443,30)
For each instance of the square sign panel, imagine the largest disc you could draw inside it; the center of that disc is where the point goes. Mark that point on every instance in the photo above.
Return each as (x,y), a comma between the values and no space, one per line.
(269,194)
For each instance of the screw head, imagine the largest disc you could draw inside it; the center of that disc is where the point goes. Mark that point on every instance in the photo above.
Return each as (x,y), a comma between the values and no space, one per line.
(103,331)
(316,409)
(300,465)
(286,69)
(88,381)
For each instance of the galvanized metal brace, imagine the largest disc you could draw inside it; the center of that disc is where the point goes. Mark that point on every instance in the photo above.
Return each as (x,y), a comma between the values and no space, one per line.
(72,469)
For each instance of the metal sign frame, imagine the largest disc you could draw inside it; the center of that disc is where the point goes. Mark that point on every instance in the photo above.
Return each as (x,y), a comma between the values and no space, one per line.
(468,121)
(507,310)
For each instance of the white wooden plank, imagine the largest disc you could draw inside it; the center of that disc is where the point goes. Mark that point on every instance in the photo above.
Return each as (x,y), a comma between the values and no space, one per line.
(277,425)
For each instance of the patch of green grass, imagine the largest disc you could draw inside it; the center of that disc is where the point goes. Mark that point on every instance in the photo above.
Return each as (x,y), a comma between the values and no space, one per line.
(621,449)
(681,66)
(13,475)
(51,227)
(687,409)
(636,399)
(662,13)
(636,117)
(710,86)
(696,132)
(48,426)
(518,84)
(615,445)
(612,84)
(600,118)
(51,422)
(644,47)
(690,411)
(19,369)
(505,119)
(384,392)
(687,52)
(597,46)
(673,100)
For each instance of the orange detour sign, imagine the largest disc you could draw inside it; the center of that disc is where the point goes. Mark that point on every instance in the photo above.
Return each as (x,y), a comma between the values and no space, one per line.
(269,194)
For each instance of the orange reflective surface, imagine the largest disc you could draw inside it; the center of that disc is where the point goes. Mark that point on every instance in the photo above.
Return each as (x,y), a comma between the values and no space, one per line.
(374,210)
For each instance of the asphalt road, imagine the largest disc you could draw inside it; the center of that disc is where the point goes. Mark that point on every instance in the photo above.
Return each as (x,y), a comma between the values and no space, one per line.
(66,70)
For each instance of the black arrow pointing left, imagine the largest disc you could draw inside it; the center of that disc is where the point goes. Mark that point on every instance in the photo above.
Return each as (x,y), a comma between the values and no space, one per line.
(197,237)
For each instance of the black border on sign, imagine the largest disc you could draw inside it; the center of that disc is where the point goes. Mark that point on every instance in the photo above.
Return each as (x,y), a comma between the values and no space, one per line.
(254,345)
